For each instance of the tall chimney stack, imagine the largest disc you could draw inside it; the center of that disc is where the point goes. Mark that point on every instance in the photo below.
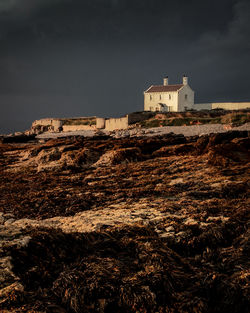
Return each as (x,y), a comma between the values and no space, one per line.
(165,81)
(185,80)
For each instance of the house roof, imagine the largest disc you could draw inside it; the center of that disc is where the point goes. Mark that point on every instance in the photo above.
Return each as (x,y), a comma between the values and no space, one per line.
(162,88)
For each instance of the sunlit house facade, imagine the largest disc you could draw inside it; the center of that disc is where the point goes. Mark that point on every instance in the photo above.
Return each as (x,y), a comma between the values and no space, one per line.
(169,98)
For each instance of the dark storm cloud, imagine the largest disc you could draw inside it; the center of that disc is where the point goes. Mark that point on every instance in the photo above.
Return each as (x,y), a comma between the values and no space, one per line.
(62,57)
(114,17)
(225,55)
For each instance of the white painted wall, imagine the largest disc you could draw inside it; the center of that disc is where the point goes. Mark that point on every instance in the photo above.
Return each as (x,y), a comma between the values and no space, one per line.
(152,100)
(175,100)
(185,98)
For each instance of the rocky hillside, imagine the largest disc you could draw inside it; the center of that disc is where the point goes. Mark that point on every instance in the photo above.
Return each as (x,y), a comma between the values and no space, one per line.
(102,224)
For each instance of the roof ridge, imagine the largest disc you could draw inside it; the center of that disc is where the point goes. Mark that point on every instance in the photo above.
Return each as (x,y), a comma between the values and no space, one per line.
(168,85)
(164,88)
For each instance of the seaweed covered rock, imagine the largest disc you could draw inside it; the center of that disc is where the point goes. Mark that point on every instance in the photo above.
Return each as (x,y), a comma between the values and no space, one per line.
(235,151)
(131,269)
(120,156)
(19,138)
(117,270)
(154,227)
(181,149)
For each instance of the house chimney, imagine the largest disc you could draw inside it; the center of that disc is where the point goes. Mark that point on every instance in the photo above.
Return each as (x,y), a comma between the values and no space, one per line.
(165,81)
(185,80)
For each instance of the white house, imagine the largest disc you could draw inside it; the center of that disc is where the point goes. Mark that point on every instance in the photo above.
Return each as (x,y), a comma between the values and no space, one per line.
(169,98)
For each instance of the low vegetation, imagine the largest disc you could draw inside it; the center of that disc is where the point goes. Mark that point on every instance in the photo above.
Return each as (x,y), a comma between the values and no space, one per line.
(196,118)
(80,121)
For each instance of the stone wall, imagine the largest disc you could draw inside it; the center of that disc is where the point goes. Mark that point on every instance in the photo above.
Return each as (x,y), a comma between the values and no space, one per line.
(111,124)
(71,128)
(116,123)
(222,105)
(43,122)
(47,124)
(56,124)
(231,105)
(100,122)
(202,106)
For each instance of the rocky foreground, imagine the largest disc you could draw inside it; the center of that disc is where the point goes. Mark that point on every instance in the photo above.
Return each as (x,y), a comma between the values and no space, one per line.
(102,224)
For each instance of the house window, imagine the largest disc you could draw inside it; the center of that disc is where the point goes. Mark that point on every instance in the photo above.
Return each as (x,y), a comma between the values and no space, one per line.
(160,97)
(186,96)
(169,97)
(150,97)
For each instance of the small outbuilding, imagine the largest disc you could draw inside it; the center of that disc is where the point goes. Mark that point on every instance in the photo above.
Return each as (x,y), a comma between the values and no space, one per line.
(169,98)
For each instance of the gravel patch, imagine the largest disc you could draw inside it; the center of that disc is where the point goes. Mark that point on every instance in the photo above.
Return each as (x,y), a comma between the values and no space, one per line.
(195,130)
(192,130)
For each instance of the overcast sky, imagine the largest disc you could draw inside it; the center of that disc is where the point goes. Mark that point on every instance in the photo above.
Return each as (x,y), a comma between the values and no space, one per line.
(63,58)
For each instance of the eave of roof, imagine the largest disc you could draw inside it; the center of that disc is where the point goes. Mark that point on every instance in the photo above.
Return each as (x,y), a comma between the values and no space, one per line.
(162,88)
